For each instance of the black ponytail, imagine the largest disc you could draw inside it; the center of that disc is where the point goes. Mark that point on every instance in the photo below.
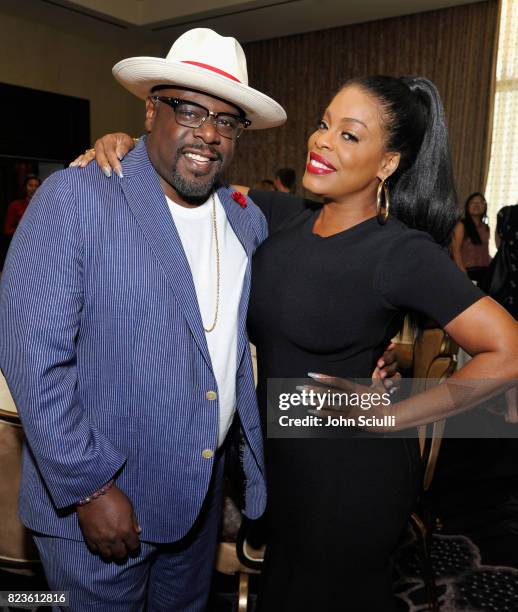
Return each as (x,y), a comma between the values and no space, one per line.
(422,190)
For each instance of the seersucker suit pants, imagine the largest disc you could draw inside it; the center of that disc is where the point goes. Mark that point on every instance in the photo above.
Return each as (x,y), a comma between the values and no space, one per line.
(161,578)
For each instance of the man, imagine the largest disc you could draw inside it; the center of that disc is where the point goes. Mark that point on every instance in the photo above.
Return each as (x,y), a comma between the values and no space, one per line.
(122,317)
(285,180)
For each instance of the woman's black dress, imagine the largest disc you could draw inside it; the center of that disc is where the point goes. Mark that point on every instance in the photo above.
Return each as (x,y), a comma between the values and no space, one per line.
(336,507)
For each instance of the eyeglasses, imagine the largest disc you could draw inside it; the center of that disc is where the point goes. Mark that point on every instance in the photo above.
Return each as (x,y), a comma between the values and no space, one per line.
(193,115)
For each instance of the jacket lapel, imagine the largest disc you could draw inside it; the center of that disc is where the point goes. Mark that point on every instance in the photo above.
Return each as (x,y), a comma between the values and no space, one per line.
(240,222)
(147,202)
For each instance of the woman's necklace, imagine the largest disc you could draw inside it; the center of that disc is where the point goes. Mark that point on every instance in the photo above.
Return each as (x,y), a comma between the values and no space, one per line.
(215,226)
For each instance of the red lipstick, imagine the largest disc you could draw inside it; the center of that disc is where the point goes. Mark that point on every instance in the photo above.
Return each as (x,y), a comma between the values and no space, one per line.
(318,165)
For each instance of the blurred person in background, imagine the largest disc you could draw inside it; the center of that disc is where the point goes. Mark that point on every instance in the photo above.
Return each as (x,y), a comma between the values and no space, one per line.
(501,281)
(17,208)
(285,180)
(265,185)
(470,245)
(15,212)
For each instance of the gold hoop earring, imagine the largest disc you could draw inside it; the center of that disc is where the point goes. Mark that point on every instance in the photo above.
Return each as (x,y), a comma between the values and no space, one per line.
(382,208)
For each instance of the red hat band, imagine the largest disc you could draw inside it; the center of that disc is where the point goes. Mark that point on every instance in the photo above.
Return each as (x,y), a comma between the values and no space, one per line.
(213,69)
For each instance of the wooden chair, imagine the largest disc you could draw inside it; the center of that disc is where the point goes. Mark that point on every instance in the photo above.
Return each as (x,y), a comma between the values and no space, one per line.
(434,359)
(18,553)
(241,559)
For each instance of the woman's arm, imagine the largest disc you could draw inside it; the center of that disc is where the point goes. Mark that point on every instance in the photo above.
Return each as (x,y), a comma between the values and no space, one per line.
(487,332)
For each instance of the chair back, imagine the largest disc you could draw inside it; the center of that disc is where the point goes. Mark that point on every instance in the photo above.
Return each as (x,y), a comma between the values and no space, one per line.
(434,360)
(17,549)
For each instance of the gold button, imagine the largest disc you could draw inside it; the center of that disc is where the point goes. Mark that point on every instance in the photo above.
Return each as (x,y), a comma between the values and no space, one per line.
(207,454)
(211,395)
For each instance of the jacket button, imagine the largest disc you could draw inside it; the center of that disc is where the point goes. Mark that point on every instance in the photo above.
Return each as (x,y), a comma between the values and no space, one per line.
(207,453)
(211,395)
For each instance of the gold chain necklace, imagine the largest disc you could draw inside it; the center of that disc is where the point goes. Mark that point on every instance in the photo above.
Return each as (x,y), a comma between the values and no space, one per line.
(215,226)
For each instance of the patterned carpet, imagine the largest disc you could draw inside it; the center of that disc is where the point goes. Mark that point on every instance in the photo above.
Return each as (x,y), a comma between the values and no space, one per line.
(463,583)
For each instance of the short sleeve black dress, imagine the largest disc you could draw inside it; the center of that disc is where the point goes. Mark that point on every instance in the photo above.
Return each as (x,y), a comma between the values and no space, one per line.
(337,508)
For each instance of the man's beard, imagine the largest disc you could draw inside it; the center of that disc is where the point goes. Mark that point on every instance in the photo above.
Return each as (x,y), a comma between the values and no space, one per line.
(194,192)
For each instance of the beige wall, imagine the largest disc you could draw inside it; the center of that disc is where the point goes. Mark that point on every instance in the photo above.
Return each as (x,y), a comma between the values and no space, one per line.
(52,50)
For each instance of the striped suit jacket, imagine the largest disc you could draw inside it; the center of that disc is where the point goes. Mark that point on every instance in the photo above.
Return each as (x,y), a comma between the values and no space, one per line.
(103,348)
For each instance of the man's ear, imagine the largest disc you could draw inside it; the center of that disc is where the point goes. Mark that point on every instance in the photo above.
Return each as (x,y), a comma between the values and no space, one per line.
(150,115)
(389,164)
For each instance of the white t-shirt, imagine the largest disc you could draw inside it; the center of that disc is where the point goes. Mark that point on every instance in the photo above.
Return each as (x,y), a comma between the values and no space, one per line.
(196,232)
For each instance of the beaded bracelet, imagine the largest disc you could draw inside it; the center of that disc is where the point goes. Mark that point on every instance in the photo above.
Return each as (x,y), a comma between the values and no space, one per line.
(104,489)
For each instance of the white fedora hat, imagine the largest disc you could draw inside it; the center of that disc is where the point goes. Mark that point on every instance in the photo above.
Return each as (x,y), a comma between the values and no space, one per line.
(203,60)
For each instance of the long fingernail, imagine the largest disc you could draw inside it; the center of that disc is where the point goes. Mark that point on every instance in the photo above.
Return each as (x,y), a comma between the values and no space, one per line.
(315,375)
(107,171)
(118,172)
(381,363)
(72,164)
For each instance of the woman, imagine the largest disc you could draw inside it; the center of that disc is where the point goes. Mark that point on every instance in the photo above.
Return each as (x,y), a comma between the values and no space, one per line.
(470,244)
(501,282)
(337,508)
